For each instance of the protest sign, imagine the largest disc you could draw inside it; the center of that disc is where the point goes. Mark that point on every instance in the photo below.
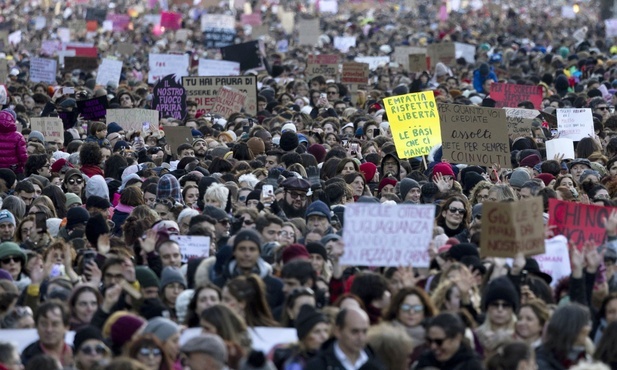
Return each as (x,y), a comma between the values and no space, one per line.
(401,55)
(109,72)
(85,64)
(119,22)
(575,123)
(343,43)
(50,47)
(355,73)
(253,19)
(414,122)
(39,23)
(510,95)
(14,38)
(417,63)
(556,260)
(560,146)
(308,31)
(96,14)
(93,109)
(162,65)
(474,135)
(82,49)
(133,119)
(192,246)
(51,128)
(442,52)
(219,30)
(512,227)
(4,40)
(171,20)
(578,222)
(68,118)
(211,67)
(169,98)
(262,338)
(43,70)
(287,21)
(64,34)
(125,48)
(4,69)
(182,35)
(567,12)
(203,90)
(248,54)
(176,136)
(328,6)
(377,235)
(373,62)
(465,51)
(322,65)
(610,26)
(228,101)
(519,121)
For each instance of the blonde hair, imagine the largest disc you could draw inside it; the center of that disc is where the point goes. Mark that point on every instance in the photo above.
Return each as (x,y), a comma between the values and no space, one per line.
(391,344)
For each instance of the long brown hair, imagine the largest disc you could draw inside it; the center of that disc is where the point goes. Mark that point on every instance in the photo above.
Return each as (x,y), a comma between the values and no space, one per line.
(251,290)
(395,303)
(151,341)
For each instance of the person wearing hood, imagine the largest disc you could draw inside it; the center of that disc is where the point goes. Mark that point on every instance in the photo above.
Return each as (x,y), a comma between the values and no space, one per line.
(97,186)
(390,165)
(13,148)
(245,260)
(481,75)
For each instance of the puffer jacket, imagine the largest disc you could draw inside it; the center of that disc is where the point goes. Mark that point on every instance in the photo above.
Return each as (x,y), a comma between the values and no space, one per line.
(13,152)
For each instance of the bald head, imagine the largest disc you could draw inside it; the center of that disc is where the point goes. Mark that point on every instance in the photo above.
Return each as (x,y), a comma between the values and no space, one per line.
(350,314)
(351,327)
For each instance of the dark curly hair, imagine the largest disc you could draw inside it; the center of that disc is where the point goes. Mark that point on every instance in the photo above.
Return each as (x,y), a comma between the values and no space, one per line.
(35,163)
(90,154)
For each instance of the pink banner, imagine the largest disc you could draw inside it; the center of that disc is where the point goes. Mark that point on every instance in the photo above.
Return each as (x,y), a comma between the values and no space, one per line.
(171,20)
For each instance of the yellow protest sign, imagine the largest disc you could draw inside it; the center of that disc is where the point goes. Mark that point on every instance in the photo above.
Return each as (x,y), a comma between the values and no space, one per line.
(414,122)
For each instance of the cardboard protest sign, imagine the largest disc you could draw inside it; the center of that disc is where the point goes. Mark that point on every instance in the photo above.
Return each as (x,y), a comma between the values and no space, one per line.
(133,119)
(322,65)
(474,135)
(162,65)
(4,40)
(211,67)
(50,47)
(125,48)
(512,227)
(328,6)
(109,72)
(308,31)
(343,43)
(417,63)
(204,90)
(93,109)
(355,73)
(578,222)
(85,64)
(219,30)
(43,70)
(169,98)
(510,95)
(575,123)
(287,21)
(248,54)
(228,101)
(466,51)
(373,62)
(444,52)
(192,246)
(556,260)
(171,20)
(176,136)
(401,55)
(51,128)
(377,235)
(519,121)
(561,146)
(414,122)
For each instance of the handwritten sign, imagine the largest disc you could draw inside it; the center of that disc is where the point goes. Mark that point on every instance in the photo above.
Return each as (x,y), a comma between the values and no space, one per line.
(192,246)
(169,98)
(414,122)
(43,70)
(322,65)
(211,67)
(444,52)
(417,63)
(512,227)
(377,235)
(556,260)
(93,109)
(51,128)
(578,222)
(401,55)
(560,146)
(510,95)
(465,51)
(109,71)
(219,30)
(228,101)
(308,31)
(474,135)
(162,65)
(355,73)
(519,121)
(133,119)
(575,123)
(204,90)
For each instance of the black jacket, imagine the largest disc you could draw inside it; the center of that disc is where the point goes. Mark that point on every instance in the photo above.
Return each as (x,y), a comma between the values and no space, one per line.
(327,360)
(31,351)
(464,359)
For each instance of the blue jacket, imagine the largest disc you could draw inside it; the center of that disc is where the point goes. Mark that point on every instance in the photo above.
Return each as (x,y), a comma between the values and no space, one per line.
(478,80)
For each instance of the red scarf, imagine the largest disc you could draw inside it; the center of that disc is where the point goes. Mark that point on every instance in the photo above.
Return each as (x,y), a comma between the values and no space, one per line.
(90,170)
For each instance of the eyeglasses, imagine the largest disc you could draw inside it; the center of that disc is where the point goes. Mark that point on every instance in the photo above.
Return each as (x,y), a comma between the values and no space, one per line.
(147,352)
(417,308)
(47,165)
(438,341)
(295,195)
(75,180)
(460,211)
(99,349)
(223,221)
(288,234)
(498,304)
(332,92)
(10,259)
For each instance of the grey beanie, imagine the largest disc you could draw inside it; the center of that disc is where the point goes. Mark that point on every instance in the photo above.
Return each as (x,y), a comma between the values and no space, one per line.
(162,328)
(519,177)
(588,173)
(171,275)
(406,185)
(36,135)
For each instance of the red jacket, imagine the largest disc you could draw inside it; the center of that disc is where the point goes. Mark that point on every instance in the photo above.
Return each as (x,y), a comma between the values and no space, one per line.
(13,152)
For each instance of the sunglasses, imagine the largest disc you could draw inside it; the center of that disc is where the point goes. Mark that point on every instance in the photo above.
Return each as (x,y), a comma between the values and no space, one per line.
(99,349)
(242,198)
(248,222)
(297,195)
(498,304)
(460,211)
(602,108)
(438,341)
(223,221)
(147,352)
(75,180)
(10,259)
(417,308)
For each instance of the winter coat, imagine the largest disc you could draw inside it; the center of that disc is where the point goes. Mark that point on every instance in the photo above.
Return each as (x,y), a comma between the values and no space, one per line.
(13,152)
(464,359)
(326,359)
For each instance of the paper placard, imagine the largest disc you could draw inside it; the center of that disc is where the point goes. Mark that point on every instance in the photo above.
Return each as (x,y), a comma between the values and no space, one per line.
(575,123)
(176,136)
(560,146)
(519,121)
(171,20)
(253,19)
(414,122)
(169,98)
(43,70)
(211,67)
(378,235)
(262,339)
(510,95)
(610,26)
(578,222)
(567,12)
(203,90)
(402,53)
(466,51)
(308,31)
(322,65)
(228,101)
(109,71)
(50,47)
(328,6)
(64,34)
(512,227)
(556,260)
(219,30)
(93,109)
(373,62)
(133,119)
(192,246)
(125,48)
(39,23)
(14,38)
(343,43)
(474,135)
(96,14)
(417,63)
(248,54)
(355,73)
(287,21)
(444,52)
(162,65)
(119,22)
(51,128)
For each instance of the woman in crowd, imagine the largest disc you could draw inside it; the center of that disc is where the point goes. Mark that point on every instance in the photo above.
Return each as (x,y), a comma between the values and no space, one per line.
(246,296)
(148,350)
(454,215)
(83,303)
(205,296)
(531,318)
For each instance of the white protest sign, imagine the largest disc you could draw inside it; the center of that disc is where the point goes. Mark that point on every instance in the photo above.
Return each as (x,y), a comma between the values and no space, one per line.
(575,123)
(567,12)
(611,27)
(556,260)
(308,31)
(64,34)
(51,128)
(373,62)
(328,6)
(217,21)
(162,65)
(211,67)
(109,71)
(262,338)
(466,51)
(343,43)
(43,70)
(14,38)
(192,246)
(378,235)
(519,121)
(560,146)
(39,23)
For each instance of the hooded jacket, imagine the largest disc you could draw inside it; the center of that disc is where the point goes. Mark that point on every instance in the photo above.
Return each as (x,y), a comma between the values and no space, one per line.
(383,173)
(97,186)
(13,152)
